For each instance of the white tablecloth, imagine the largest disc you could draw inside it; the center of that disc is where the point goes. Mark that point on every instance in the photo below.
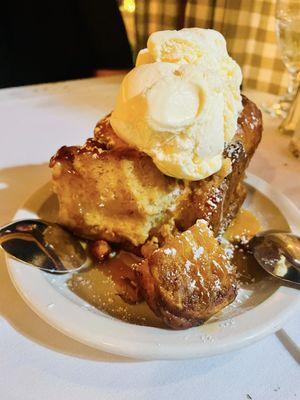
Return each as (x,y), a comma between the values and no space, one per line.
(36,361)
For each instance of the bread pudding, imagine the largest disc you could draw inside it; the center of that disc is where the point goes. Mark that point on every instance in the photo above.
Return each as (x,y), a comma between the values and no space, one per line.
(108,190)
(163,174)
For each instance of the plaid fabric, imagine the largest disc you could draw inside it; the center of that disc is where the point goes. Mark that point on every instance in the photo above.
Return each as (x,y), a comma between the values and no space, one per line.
(248,26)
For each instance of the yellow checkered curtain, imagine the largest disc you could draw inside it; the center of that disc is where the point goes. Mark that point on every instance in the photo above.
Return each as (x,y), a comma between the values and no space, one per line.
(248,26)
(156,15)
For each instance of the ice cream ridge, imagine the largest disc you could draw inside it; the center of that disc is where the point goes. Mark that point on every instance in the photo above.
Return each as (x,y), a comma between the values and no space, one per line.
(181,102)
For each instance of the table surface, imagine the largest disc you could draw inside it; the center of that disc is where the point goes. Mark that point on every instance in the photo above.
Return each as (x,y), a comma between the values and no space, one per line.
(38,362)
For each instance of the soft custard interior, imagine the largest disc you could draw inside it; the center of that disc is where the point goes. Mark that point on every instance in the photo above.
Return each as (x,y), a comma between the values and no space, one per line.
(116,194)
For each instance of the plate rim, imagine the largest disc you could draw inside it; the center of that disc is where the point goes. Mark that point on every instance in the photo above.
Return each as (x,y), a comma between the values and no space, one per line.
(287,302)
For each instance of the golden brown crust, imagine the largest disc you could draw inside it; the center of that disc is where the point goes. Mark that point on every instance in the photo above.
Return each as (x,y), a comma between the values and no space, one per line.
(217,198)
(188,279)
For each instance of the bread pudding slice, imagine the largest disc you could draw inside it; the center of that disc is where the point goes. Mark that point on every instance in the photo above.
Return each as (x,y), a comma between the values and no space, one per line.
(107,190)
(188,279)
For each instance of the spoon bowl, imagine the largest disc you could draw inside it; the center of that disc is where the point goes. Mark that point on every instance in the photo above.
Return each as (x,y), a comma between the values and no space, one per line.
(278,253)
(45,245)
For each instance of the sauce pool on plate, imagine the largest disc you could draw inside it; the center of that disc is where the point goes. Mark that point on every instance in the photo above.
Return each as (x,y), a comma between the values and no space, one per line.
(111,286)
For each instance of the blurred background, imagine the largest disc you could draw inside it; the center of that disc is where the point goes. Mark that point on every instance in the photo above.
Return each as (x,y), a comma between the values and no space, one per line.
(46,41)
(248,26)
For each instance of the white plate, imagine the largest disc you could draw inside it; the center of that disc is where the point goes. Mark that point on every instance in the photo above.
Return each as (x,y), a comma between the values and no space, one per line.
(259,309)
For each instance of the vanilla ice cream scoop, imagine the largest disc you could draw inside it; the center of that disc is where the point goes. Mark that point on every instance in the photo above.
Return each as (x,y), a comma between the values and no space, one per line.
(180,104)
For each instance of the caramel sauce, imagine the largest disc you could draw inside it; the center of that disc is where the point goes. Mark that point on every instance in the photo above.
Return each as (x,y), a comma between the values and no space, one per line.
(240,231)
(243,227)
(247,269)
(109,285)
(65,246)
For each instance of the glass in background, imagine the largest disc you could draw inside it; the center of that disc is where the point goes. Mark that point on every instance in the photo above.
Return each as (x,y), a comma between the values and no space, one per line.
(127,8)
(288,37)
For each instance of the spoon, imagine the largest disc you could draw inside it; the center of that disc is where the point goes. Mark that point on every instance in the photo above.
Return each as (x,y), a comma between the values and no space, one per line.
(278,253)
(45,245)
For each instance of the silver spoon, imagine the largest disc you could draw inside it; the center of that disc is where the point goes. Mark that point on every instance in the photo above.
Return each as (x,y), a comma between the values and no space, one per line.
(45,245)
(278,252)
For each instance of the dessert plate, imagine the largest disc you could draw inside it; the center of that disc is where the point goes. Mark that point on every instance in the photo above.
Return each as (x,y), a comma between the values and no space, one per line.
(260,308)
